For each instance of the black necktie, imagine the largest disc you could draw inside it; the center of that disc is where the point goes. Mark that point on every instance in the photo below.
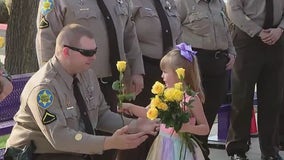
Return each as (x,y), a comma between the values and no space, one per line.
(166,29)
(112,38)
(268,22)
(82,107)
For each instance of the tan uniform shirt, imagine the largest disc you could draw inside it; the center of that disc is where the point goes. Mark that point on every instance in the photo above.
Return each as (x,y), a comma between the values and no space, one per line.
(148,26)
(249,15)
(60,130)
(88,14)
(205,25)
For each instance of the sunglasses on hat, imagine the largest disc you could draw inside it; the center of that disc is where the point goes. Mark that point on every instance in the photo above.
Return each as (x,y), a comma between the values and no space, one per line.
(84,52)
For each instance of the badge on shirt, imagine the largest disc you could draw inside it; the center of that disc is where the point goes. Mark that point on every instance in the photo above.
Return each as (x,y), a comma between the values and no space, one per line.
(119,1)
(47,6)
(44,98)
(168,5)
(48,118)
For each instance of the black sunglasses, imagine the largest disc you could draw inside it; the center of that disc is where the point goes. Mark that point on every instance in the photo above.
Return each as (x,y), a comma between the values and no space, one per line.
(84,52)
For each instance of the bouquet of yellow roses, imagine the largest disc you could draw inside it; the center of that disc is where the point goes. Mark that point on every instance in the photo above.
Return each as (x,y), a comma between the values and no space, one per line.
(170,105)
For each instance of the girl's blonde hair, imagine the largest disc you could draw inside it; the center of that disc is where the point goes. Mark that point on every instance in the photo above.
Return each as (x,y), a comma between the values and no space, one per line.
(174,60)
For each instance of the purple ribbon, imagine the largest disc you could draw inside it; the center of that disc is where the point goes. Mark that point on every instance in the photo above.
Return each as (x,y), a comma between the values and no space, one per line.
(186,51)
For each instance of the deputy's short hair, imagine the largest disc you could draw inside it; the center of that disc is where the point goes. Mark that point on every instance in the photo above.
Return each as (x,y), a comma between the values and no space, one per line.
(71,34)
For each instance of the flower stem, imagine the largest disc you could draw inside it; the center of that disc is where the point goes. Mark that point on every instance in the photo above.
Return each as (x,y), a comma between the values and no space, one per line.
(121,114)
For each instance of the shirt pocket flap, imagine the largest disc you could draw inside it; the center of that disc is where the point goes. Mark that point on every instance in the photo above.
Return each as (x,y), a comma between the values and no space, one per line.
(85,14)
(70,112)
(148,12)
(196,16)
(171,13)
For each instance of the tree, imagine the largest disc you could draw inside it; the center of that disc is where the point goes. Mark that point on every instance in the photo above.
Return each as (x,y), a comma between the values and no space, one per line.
(4,16)
(20,37)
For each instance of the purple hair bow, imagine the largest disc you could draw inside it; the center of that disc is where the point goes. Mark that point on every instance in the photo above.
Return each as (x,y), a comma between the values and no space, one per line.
(186,51)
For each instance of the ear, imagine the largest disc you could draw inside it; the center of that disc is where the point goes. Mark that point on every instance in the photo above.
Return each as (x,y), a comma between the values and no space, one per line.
(65,51)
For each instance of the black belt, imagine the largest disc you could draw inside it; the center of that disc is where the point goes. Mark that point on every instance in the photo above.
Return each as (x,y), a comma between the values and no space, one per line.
(106,80)
(61,155)
(216,53)
(151,60)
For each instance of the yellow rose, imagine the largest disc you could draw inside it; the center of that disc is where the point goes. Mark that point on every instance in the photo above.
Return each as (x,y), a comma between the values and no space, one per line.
(152,113)
(163,106)
(121,66)
(178,95)
(178,86)
(180,72)
(155,101)
(158,88)
(2,42)
(169,94)
(172,94)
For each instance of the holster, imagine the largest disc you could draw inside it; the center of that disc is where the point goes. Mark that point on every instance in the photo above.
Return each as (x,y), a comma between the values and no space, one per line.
(26,153)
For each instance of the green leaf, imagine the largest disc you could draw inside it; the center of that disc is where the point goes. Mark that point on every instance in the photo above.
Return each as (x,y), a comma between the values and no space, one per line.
(116,85)
(130,97)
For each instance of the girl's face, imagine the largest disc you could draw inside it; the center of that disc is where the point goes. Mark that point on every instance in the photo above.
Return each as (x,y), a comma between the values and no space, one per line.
(169,77)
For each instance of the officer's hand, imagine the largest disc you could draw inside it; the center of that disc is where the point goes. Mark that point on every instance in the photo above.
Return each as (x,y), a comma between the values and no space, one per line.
(137,83)
(231,62)
(144,125)
(121,140)
(126,108)
(270,36)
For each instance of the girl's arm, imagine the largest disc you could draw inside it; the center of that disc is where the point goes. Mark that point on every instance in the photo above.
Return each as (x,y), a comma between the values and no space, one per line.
(132,109)
(200,127)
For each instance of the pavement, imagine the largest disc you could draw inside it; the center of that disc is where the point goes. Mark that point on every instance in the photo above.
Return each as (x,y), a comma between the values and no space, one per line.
(220,154)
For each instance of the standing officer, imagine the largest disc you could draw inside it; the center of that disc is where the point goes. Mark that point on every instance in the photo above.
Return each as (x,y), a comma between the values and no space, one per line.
(205,27)
(110,22)
(158,29)
(54,115)
(258,38)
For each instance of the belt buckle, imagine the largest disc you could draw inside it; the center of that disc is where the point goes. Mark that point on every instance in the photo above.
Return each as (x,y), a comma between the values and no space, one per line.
(103,81)
(217,54)
(86,156)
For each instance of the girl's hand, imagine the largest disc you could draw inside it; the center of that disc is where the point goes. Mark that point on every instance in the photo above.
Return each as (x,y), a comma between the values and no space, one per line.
(126,108)
(192,121)
(186,126)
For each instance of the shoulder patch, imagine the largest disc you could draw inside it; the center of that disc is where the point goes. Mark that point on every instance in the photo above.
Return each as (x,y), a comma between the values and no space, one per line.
(44,98)
(43,23)
(46,6)
(48,117)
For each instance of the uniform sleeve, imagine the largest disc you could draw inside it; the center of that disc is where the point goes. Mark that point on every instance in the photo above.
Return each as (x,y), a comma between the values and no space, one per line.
(281,25)
(182,9)
(179,38)
(238,17)
(48,114)
(49,23)
(131,46)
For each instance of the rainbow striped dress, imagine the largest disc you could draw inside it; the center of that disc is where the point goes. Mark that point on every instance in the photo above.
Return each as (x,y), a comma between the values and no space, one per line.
(167,146)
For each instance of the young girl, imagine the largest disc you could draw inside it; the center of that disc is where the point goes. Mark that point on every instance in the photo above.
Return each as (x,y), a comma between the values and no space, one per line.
(167,145)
